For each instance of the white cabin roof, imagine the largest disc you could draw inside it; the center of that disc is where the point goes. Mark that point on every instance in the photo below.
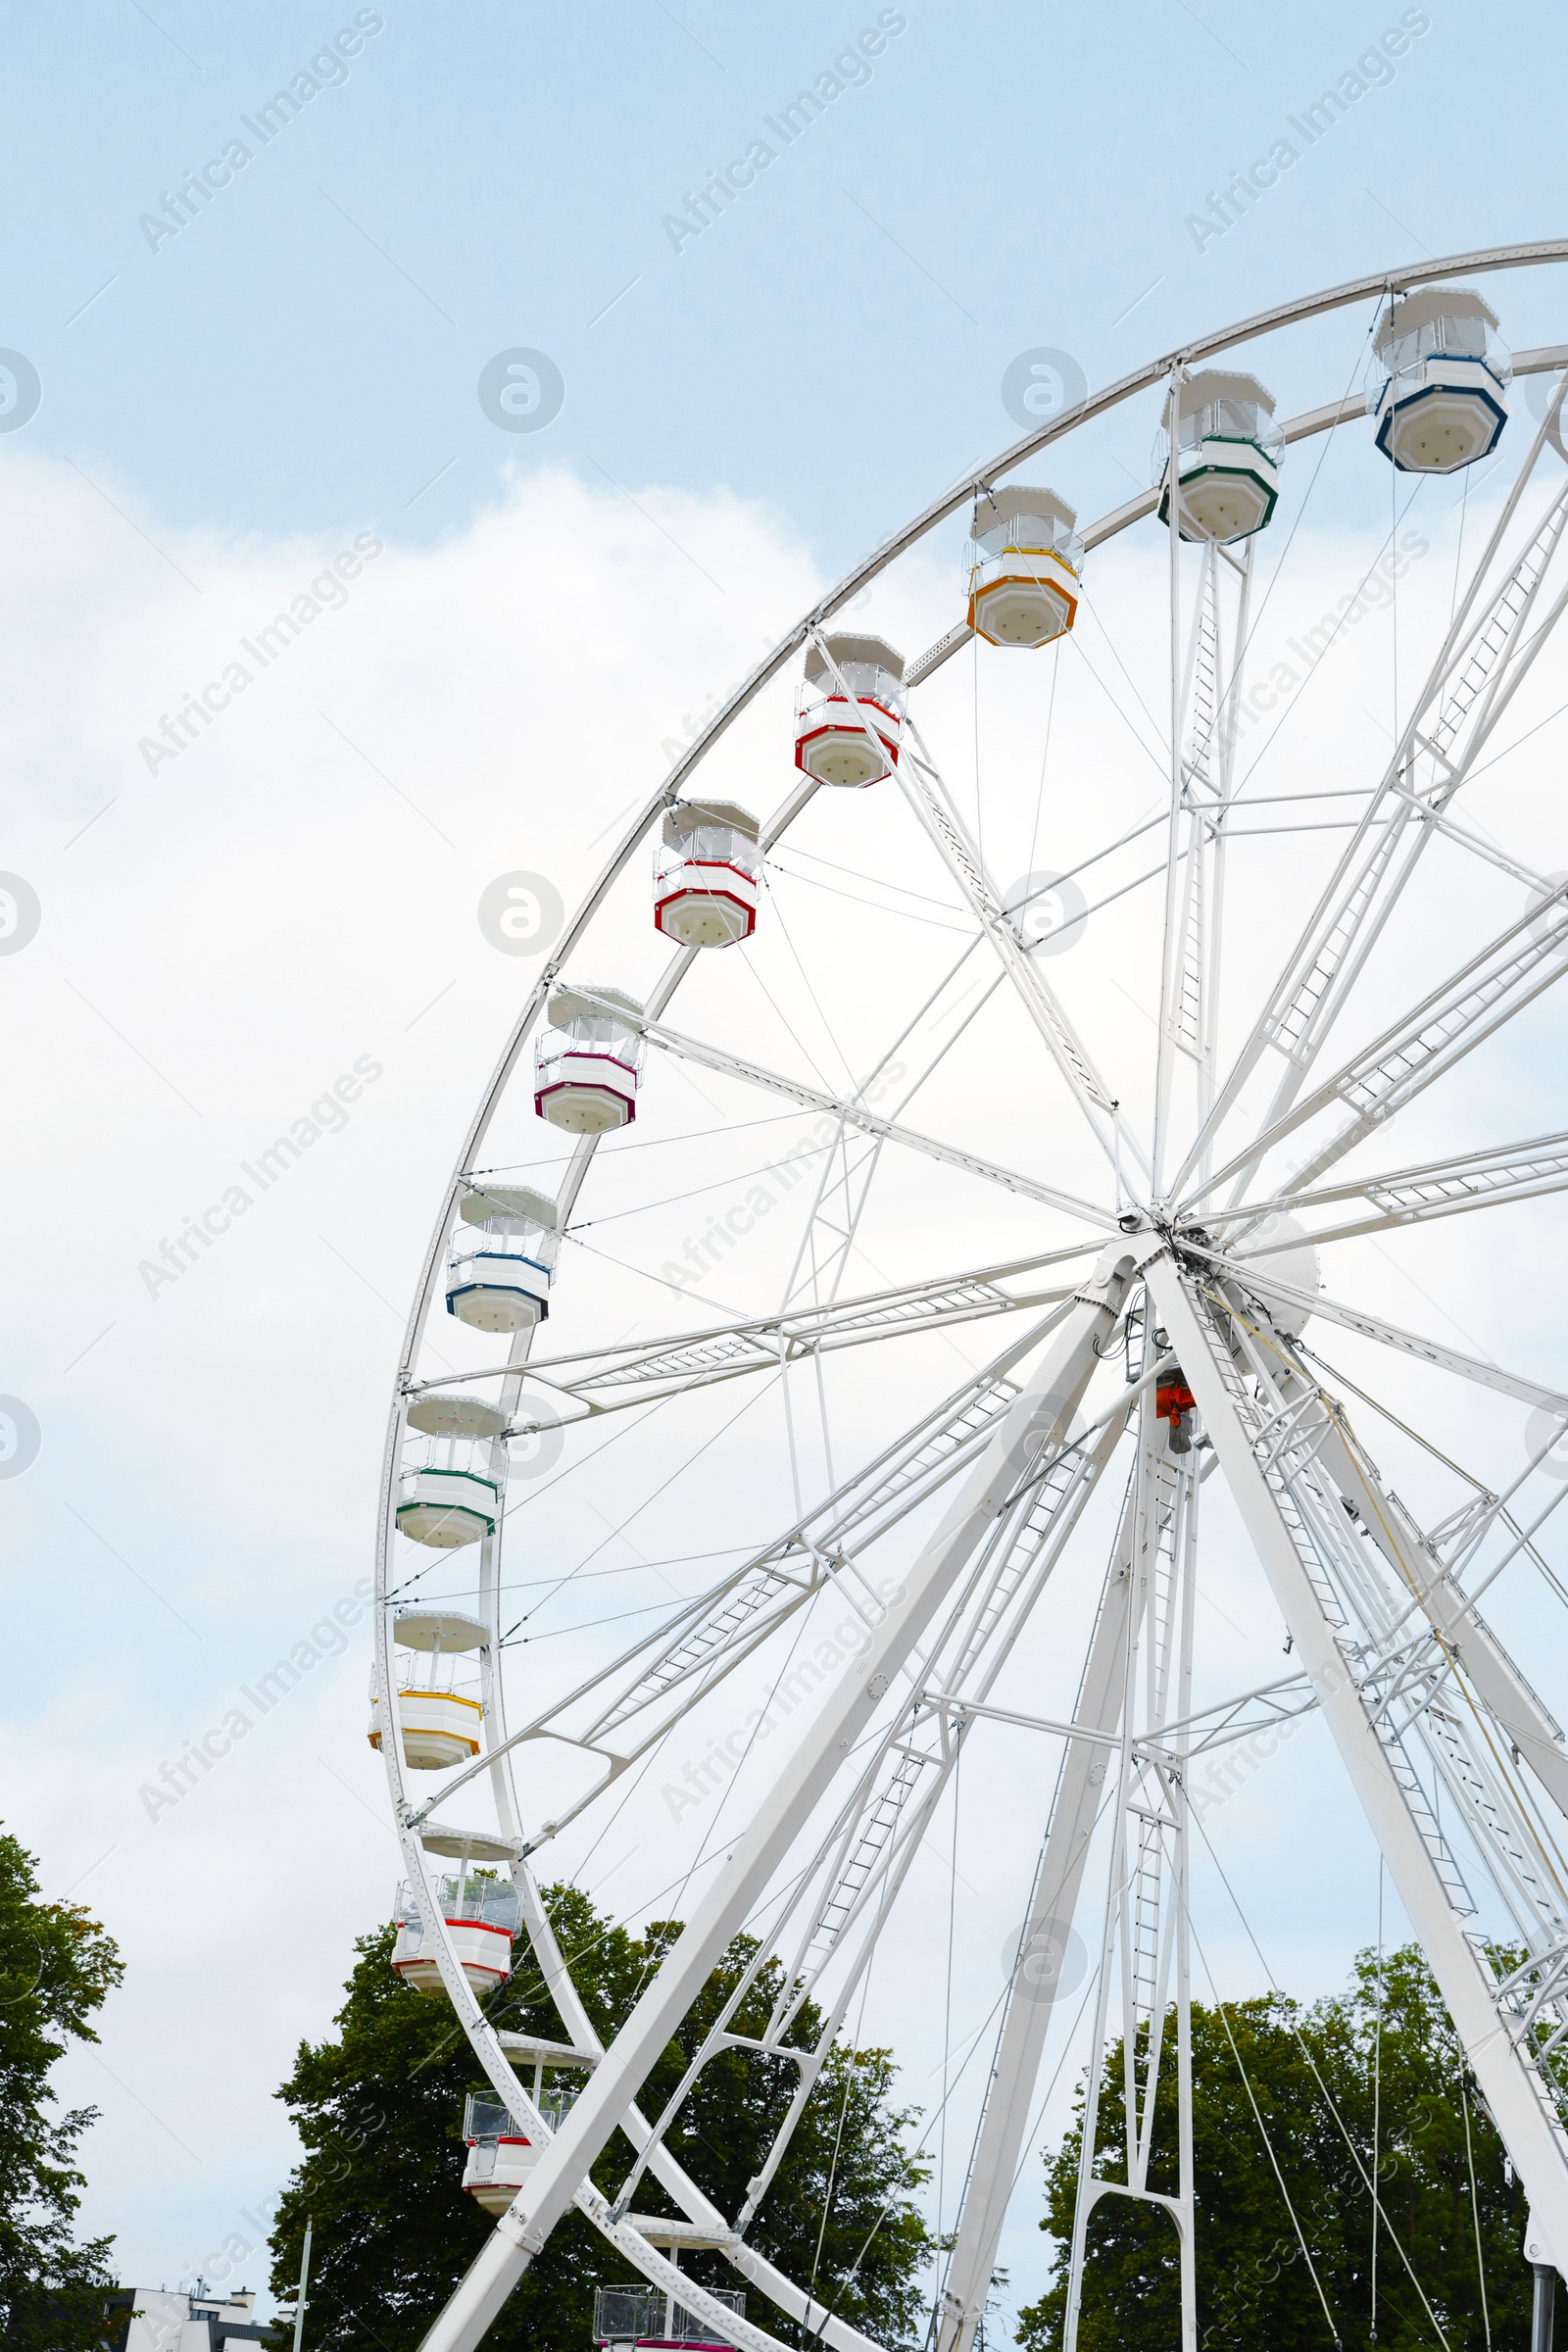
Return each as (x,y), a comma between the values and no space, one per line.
(467,1845)
(875,650)
(1210,384)
(1425,305)
(527,2049)
(444,1413)
(685,816)
(491,1204)
(425,1629)
(584,1003)
(992,512)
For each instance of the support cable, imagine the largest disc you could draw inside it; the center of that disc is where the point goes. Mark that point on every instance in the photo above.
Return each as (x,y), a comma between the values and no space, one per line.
(843,2109)
(1328,2096)
(1394,597)
(1549,1574)
(992,2014)
(831,1033)
(1358,362)
(947,2012)
(1552,1856)
(1045,755)
(974,700)
(1475,2211)
(1328,442)
(1269,2145)
(1377,2103)
(1454,600)
(816,2337)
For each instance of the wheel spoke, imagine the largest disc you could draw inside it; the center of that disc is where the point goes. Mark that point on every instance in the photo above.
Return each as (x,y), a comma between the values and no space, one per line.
(854,1114)
(604,1379)
(1469,686)
(1252,1275)
(680,1662)
(959,1542)
(1441,1188)
(1189,1015)
(847,1888)
(1519,2090)
(1481,998)
(927,793)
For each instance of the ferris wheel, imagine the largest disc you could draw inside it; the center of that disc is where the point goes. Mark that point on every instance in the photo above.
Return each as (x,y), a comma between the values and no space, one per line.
(709,1254)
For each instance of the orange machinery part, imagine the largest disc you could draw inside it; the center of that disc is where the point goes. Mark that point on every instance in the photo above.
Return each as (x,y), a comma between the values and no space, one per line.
(1172,1398)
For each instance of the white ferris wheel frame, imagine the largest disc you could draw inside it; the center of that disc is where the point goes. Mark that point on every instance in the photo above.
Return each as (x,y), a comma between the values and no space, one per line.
(1024,1466)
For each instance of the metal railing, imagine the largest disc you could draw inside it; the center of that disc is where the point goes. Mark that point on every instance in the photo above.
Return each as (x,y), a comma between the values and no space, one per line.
(1231,420)
(485,2117)
(491,1902)
(625,2315)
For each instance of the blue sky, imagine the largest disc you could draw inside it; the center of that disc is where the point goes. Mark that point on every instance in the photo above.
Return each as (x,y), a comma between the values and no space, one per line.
(305,353)
(746,410)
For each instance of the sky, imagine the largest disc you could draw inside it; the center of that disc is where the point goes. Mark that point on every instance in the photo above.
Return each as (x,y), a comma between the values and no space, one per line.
(454,351)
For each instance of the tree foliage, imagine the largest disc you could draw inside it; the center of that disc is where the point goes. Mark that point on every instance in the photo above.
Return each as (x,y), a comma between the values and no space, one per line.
(379,2110)
(1384,2045)
(57,1968)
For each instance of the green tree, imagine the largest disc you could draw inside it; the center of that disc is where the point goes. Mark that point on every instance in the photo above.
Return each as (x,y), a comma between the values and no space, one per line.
(379,2110)
(1386,2055)
(57,1966)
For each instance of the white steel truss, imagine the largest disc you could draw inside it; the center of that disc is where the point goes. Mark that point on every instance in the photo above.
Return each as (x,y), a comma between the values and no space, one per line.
(961,854)
(1256,1275)
(1426,1042)
(855,1114)
(1272,1482)
(665,1673)
(1456,1760)
(604,1379)
(1475,675)
(1145,1918)
(1441,1188)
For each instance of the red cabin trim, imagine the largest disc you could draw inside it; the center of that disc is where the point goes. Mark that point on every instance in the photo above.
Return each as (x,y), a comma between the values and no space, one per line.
(867,701)
(833,727)
(728,863)
(673,898)
(627,1102)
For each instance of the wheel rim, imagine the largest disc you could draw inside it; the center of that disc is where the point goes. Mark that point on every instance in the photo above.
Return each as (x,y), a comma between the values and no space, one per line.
(1200,748)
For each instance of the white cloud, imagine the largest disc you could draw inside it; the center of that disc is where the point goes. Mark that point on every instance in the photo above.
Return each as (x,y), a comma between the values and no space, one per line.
(296,894)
